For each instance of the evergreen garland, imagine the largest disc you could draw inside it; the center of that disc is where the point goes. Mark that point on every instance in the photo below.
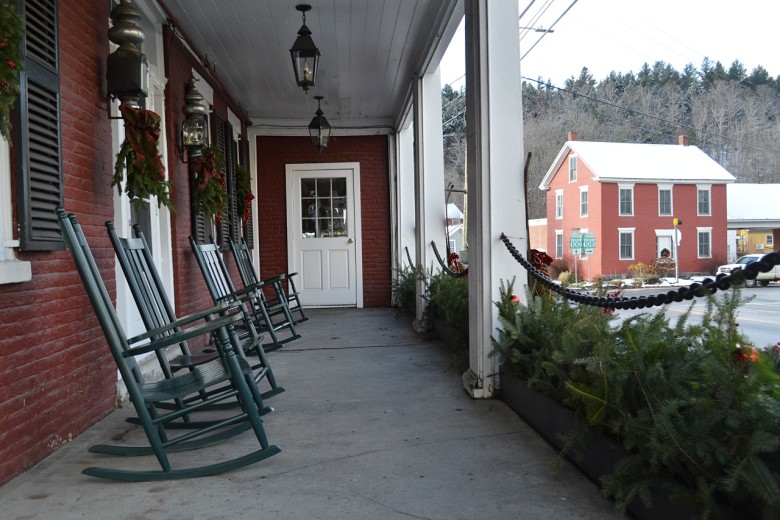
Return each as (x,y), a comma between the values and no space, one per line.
(11,62)
(243,192)
(140,158)
(208,186)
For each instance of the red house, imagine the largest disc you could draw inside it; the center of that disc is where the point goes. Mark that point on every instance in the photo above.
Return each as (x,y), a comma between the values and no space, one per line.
(628,196)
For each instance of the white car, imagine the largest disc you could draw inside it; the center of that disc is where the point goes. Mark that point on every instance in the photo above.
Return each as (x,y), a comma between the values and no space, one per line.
(762,278)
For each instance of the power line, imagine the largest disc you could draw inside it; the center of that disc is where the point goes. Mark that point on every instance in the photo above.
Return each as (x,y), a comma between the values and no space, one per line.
(550,28)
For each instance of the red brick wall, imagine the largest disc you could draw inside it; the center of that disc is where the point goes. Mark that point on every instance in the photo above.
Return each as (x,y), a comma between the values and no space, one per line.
(191,294)
(371,152)
(57,377)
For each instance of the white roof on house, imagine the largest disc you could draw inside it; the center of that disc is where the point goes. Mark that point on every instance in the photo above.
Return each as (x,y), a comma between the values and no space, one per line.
(753,205)
(453,211)
(645,163)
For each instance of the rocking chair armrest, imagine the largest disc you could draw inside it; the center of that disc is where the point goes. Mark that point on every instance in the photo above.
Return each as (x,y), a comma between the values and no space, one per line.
(275,279)
(218,309)
(183,335)
(249,289)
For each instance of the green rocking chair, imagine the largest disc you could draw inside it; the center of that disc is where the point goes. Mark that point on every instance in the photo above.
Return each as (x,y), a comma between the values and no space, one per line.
(147,395)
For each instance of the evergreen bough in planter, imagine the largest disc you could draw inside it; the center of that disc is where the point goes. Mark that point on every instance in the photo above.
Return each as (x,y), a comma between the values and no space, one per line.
(695,406)
(448,304)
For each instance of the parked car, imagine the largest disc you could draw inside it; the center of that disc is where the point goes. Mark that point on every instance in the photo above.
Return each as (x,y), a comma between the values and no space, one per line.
(762,278)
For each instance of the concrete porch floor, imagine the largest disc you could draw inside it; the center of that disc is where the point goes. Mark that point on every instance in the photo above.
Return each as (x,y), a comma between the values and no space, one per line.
(374,424)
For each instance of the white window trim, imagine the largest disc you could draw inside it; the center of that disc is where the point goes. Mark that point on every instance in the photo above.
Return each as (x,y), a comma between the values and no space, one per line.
(12,270)
(670,189)
(770,239)
(626,187)
(559,233)
(633,242)
(584,189)
(708,189)
(558,193)
(707,230)
(572,158)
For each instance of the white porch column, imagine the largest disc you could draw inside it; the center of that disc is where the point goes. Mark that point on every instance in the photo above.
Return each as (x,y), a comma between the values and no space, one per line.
(430,211)
(496,195)
(406,195)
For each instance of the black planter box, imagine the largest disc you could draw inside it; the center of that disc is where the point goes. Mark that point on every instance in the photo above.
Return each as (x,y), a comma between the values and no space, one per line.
(600,454)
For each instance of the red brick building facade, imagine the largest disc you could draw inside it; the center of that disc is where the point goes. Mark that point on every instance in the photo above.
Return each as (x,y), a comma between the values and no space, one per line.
(57,377)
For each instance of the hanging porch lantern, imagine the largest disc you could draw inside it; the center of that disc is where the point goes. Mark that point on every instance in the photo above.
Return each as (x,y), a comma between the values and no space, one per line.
(319,128)
(305,55)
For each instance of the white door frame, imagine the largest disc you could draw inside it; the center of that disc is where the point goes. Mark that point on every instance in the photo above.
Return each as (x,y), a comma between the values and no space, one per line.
(290,172)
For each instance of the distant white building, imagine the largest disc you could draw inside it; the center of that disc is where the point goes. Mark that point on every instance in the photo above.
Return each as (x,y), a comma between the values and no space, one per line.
(752,209)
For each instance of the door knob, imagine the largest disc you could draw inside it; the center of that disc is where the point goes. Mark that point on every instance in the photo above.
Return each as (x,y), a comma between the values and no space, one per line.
(350,241)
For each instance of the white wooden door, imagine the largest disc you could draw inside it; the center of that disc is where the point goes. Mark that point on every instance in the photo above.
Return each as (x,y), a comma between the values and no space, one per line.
(323,233)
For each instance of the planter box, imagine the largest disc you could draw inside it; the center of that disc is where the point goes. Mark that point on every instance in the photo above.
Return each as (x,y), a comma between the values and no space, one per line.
(552,420)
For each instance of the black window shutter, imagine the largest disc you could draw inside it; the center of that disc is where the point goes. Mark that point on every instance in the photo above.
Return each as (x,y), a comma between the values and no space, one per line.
(37,127)
(249,225)
(220,141)
(231,163)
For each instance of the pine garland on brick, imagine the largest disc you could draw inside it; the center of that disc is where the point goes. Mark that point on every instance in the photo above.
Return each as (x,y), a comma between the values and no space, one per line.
(11,62)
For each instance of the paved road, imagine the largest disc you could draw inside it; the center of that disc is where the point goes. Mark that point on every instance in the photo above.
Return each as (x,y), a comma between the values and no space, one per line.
(759,318)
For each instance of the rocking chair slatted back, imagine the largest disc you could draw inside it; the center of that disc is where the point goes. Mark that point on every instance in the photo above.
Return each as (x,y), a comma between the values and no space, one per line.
(157,313)
(278,301)
(221,287)
(146,396)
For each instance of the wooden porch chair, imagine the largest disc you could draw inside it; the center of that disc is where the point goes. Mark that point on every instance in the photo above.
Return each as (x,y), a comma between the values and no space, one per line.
(156,311)
(222,290)
(146,395)
(287,302)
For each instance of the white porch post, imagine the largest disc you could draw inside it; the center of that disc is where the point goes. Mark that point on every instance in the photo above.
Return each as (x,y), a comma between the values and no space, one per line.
(406,197)
(496,195)
(430,213)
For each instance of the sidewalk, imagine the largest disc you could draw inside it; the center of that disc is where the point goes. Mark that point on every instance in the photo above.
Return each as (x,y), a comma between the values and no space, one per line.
(373,425)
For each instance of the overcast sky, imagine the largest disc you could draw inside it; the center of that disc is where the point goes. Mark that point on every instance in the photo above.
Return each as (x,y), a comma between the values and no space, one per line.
(621,35)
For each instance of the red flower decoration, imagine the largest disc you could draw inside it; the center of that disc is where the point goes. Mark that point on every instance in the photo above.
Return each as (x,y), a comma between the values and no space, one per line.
(745,355)
(10,63)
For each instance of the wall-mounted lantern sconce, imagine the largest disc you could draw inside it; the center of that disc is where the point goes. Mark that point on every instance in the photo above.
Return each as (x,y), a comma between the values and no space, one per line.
(193,129)
(305,55)
(127,67)
(319,128)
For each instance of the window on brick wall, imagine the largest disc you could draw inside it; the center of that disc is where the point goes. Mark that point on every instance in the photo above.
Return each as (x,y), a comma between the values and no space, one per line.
(705,242)
(664,201)
(558,204)
(703,200)
(583,201)
(37,131)
(626,200)
(626,236)
(35,166)
(559,244)
(572,168)
(229,226)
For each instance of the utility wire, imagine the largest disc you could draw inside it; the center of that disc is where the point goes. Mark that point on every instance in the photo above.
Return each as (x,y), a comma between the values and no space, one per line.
(553,25)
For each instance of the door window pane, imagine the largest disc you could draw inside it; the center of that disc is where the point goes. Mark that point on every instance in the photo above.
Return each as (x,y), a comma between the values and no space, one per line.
(324,207)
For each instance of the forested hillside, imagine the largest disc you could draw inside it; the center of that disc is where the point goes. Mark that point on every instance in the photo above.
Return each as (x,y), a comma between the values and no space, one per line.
(729,113)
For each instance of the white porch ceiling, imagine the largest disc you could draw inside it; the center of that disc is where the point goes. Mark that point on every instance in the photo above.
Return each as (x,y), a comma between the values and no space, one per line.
(370,51)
